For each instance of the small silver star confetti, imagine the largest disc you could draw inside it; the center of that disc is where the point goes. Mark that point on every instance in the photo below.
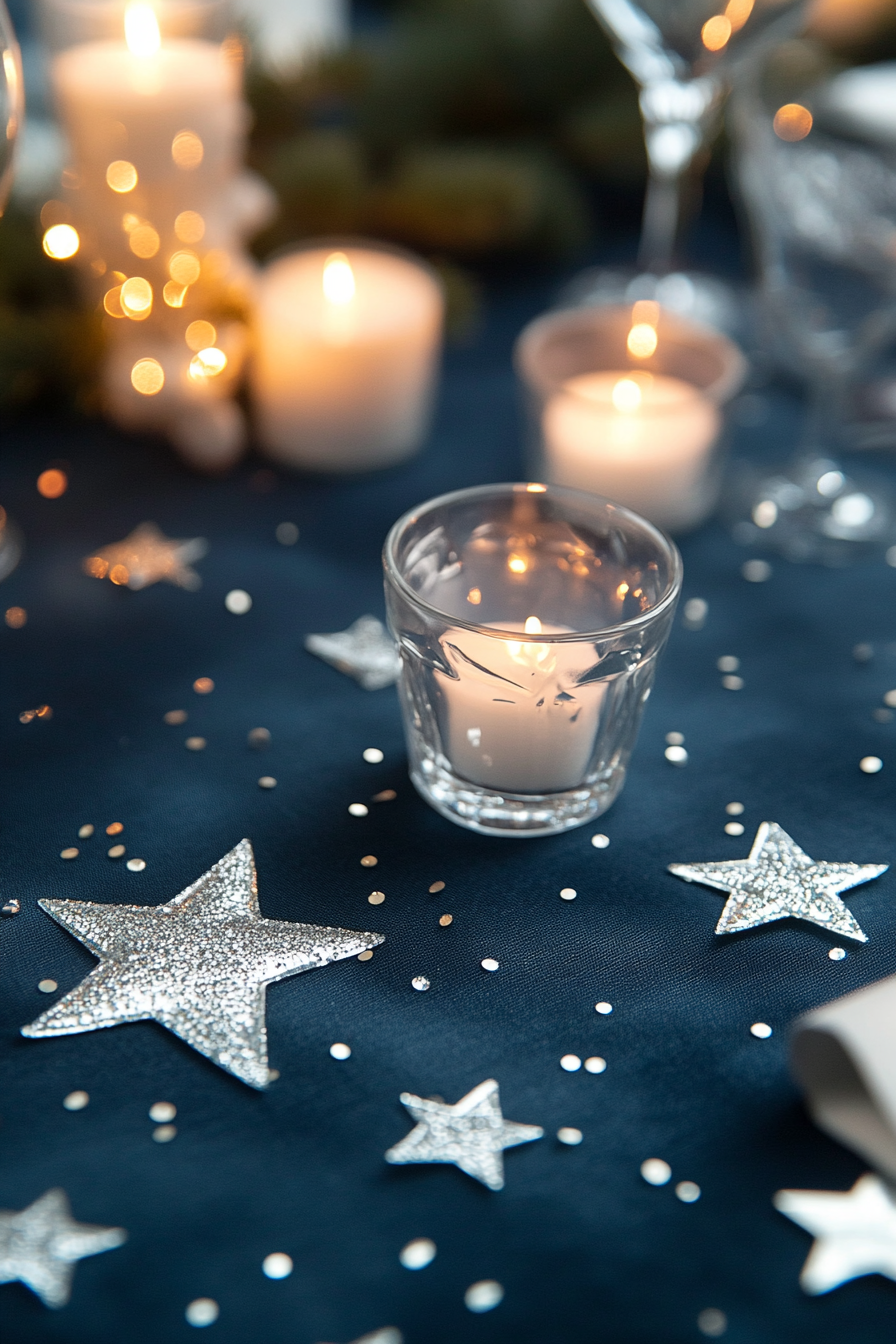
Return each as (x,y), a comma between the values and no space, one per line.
(40,1245)
(778,880)
(365,651)
(199,965)
(147,556)
(855,1232)
(472,1134)
(389,1335)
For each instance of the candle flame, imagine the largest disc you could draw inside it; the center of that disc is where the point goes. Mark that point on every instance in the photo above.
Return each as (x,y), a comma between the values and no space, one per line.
(517,564)
(627,396)
(141,30)
(532,626)
(338,279)
(642,340)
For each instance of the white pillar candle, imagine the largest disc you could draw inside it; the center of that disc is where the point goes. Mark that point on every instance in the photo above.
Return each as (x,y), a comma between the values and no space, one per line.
(642,439)
(345,359)
(515,720)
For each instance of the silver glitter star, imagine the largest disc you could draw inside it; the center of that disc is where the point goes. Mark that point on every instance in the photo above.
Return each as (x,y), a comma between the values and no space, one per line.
(147,556)
(365,651)
(199,965)
(389,1335)
(40,1245)
(778,880)
(472,1134)
(855,1231)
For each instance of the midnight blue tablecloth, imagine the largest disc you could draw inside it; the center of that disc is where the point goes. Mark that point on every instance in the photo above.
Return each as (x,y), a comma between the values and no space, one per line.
(585,1249)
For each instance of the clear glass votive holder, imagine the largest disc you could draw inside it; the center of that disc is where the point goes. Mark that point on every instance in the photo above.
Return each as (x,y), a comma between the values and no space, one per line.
(530,620)
(626,400)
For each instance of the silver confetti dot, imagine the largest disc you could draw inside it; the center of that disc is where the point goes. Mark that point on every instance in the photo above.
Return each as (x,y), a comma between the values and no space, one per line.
(569,1135)
(675,739)
(195,744)
(489,964)
(756,571)
(238,602)
(837,953)
(568,894)
(418,1253)
(889,699)
(372,755)
(259,738)
(734,809)
(891,556)
(202,1311)
(376,897)
(287,534)
(570,1063)
(688,1191)
(728,663)
(676,755)
(733,683)
(761,1030)
(882,715)
(162,1112)
(47,986)
(603,1008)
(483,1296)
(164,1133)
(600,841)
(734,828)
(85,832)
(712,1323)
(420,983)
(76,1101)
(116,852)
(655,1171)
(340,1051)
(267,782)
(70,853)
(871,765)
(277,1265)
(594,1064)
(696,609)
(358,809)
(863,653)
(135,865)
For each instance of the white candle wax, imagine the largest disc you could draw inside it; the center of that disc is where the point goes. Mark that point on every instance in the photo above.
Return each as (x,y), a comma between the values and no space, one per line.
(642,439)
(515,719)
(345,357)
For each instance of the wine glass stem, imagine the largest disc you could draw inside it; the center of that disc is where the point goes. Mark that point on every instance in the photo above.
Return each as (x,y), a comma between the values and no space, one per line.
(662,217)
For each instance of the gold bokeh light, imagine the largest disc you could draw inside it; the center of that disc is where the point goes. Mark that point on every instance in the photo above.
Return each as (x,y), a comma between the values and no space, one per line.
(184,268)
(148,377)
(189,226)
(792,122)
(187,150)
(144,242)
(121,176)
(200,334)
(61,242)
(136,298)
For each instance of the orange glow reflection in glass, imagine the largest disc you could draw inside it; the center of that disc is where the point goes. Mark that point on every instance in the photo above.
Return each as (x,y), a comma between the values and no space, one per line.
(147,378)
(792,122)
(716,32)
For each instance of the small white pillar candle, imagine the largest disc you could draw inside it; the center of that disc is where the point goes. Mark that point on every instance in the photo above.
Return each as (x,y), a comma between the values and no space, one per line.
(642,439)
(516,721)
(347,344)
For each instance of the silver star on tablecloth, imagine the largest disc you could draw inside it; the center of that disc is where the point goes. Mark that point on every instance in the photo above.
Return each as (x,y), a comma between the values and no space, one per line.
(472,1134)
(778,880)
(199,965)
(147,556)
(855,1231)
(40,1245)
(365,651)
(388,1335)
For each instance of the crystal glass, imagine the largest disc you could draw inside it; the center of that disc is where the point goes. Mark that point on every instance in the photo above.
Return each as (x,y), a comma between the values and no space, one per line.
(816,163)
(628,402)
(530,620)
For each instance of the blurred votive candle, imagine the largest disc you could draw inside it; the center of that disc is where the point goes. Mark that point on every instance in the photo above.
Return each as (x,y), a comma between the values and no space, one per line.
(347,345)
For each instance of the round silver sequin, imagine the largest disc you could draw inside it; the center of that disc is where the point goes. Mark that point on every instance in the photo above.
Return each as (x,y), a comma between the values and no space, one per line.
(569,1135)
(358,809)
(712,1323)
(756,571)
(277,1265)
(238,602)
(696,609)
(420,983)
(372,755)
(761,1030)
(863,653)
(483,1296)
(287,534)
(733,683)
(195,744)
(164,1133)
(174,716)
(267,782)
(135,865)
(418,1253)
(889,699)
(116,852)
(568,894)
(655,1171)
(676,755)
(871,765)
(603,1008)
(259,738)
(162,1112)
(675,739)
(734,828)
(594,1064)
(570,1063)
(837,953)
(688,1191)
(76,1101)
(600,841)
(340,1051)
(376,897)
(47,986)
(728,663)
(202,1311)
(85,832)
(369,861)
(734,809)
(436,887)
(489,964)
(70,853)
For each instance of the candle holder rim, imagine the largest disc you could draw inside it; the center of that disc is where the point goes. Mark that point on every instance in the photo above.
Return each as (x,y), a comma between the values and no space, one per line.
(664,541)
(341,242)
(733,375)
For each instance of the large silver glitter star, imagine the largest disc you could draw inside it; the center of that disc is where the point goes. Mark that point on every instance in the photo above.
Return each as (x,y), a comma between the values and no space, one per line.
(147,556)
(855,1231)
(198,964)
(40,1245)
(365,651)
(472,1134)
(778,880)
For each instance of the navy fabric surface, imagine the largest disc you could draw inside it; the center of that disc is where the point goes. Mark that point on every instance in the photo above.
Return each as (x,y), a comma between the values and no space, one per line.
(585,1249)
